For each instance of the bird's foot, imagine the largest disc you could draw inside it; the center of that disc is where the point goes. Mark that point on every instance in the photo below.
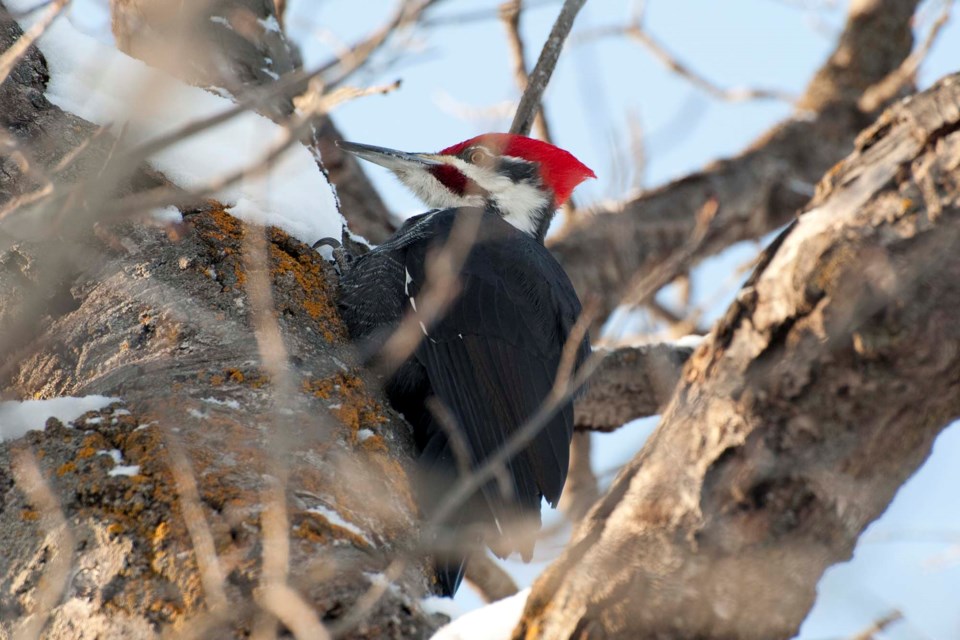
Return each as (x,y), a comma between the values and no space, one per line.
(333,251)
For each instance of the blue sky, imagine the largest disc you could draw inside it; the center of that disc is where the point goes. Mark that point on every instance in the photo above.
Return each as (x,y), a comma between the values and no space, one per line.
(910,558)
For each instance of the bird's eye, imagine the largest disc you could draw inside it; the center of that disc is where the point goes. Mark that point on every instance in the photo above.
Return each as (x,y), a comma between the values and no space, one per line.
(479,156)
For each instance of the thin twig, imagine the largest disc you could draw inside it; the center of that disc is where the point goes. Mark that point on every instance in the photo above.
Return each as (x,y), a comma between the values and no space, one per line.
(293,611)
(365,603)
(510,12)
(60,545)
(668,59)
(540,77)
(448,424)
(643,288)
(885,90)
(211,572)
(878,625)
(10,57)
(294,129)
(408,13)
(479,15)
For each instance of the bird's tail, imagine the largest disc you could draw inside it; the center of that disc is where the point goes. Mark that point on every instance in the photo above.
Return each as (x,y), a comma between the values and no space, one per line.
(460,532)
(473,522)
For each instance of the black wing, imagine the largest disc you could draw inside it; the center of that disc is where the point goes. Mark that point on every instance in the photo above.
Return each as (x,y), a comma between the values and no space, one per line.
(493,358)
(370,295)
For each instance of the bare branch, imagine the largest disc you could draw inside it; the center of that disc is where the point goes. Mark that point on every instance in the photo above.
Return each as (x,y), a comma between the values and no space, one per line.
(758,190)
(632,382)
(878,626)
(510,15)
(906,74)
(59,544)
(488,578)
(581,490)
(13,54)
(540,77)
(638,33)
(211,571)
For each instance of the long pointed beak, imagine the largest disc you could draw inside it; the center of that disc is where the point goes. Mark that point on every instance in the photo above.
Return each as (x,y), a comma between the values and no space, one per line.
(389,158)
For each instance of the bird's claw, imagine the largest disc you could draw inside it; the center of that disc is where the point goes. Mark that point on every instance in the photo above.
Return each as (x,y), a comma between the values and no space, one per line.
(339,256)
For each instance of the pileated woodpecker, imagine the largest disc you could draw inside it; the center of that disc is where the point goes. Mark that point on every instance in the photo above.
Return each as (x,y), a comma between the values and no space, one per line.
(492,358)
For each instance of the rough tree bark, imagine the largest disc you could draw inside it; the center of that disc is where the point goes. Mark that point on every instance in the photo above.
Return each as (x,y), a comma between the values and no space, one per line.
(165,319)
(758,190)
(806,408)
(630,383)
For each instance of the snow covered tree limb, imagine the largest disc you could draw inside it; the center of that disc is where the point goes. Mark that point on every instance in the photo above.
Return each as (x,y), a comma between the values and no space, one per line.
(758,190)
(819,393)
(229,50)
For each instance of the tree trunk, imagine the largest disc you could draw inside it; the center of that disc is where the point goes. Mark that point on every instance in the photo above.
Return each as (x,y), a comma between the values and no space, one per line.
(800,416)
(170,320)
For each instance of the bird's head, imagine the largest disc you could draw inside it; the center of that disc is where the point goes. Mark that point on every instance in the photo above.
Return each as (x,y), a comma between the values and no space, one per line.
(522,179)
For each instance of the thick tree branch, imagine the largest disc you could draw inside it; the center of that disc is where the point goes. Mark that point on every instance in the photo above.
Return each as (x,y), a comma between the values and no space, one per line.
(631,382)
(813,400)
(760,189)
(489,578)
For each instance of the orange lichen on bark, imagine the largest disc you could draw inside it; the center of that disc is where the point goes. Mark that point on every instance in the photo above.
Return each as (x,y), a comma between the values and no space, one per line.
(308,271)
(65,468)
(374,443)
(317,528)
(355,408)
(227,228)
(86,452)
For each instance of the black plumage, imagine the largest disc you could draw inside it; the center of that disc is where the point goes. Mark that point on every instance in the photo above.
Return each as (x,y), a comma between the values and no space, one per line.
(491,360)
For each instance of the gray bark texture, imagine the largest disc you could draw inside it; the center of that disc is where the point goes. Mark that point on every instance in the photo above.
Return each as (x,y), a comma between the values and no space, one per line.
(630,383)
(164,318)
(800,416)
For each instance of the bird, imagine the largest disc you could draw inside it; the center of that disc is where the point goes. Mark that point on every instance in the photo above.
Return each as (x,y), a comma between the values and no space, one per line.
(492,357)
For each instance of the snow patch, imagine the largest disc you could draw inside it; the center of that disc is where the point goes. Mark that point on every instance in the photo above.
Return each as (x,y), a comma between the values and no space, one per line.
(364,434)
(168,214)
(444,606)
(16,418)
(269,24)
(492,622)
(115,454)
(131,470)
(335,518)
(233,404)
(100,84)
(691,340)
